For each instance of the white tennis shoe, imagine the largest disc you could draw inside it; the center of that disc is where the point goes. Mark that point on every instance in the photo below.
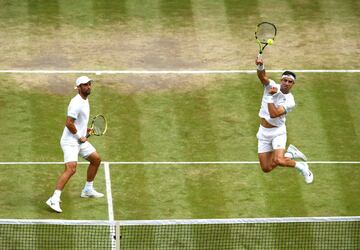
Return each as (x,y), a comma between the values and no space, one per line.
(305,171)
(309,177)
(91,193)
(294,153)
(54,204)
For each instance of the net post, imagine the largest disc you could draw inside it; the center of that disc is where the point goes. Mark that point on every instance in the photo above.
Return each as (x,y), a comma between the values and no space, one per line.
(117,235)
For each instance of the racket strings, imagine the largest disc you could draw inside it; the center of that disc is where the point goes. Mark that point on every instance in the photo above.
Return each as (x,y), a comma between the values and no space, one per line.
(99,125)
(265,31)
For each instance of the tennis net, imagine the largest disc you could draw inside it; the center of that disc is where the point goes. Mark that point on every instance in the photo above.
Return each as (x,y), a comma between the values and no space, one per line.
(56,234)
(268,233)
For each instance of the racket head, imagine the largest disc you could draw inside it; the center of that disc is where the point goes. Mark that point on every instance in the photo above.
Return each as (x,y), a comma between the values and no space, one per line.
(98,125)
(264,31)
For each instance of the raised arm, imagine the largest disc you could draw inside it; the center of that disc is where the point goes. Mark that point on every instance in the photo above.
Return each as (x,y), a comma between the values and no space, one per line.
(261,71)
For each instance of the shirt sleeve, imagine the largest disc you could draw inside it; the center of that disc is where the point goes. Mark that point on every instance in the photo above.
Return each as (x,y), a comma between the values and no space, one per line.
(73,110)
(290,105)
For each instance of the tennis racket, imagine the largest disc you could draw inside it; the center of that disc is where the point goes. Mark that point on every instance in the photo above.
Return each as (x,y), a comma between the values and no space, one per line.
(265,32)
(98,126)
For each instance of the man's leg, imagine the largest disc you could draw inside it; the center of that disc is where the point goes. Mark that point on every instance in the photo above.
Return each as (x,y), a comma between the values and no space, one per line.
(70,170)
(54,200)
(281,160)
(89,191)
(95,161)
(266,161)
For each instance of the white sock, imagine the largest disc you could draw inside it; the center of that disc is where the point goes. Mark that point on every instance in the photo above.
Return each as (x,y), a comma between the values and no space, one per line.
(299,166)
(288,155)
(89,185)
(57,194)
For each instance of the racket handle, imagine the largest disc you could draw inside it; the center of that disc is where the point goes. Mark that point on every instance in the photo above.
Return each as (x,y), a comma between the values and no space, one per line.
(259,56)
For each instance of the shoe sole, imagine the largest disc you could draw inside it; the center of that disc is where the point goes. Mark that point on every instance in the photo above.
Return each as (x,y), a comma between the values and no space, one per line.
(90,196)
(312,178)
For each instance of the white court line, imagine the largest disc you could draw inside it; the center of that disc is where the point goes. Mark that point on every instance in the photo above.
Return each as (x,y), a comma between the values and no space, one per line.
(240,220)
(110,204)
(175,163)
(108,191)
(179,72)
(221,163)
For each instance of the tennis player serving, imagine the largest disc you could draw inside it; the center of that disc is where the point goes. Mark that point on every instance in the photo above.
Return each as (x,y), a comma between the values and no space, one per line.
(74,142)
(277,102)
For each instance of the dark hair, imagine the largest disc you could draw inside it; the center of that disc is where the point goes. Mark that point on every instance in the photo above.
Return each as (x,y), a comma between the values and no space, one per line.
(287,72)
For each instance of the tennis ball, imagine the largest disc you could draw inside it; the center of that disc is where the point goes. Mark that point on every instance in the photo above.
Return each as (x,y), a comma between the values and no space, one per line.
(270,41)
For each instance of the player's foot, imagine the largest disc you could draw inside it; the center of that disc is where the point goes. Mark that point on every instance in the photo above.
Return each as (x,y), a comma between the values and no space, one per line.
(303,167)
(91,193)
(294,153)
(309,177)
(54,204)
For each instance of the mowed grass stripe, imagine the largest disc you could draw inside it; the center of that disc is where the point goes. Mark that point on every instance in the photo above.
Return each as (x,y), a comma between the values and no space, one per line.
(304,124)
(16,123)
(336,141)
(197,142)
(235,103)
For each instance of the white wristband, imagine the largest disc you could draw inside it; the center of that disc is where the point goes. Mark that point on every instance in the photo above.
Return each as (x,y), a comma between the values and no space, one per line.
(268,99)
(260,67)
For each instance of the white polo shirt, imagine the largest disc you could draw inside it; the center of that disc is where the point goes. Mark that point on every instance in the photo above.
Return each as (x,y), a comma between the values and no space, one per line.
(78,109)
(280,99)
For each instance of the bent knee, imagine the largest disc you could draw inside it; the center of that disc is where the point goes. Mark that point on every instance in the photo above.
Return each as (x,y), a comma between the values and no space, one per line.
(96,160)
(267,168)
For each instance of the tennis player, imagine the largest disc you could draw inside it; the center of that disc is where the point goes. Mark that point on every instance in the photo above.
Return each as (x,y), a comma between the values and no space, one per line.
(74,142)
(277,102)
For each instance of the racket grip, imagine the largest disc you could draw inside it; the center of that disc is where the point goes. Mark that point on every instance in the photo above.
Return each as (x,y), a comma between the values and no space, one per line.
(259,56)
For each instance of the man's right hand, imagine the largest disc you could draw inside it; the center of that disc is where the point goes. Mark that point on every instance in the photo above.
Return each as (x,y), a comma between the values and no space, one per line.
(259,61)
(82,139)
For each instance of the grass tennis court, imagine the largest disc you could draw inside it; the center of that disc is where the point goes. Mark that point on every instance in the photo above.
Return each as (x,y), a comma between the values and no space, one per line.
(179,117)
(215,122)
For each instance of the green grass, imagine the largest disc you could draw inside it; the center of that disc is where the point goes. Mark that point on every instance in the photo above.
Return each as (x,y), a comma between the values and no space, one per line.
(179,117)
(216,121)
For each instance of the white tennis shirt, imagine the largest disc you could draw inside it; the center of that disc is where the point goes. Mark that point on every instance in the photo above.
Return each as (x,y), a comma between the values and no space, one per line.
(78,109)
(280,99)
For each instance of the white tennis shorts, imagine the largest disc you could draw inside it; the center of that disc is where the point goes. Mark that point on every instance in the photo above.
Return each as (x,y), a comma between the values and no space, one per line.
(270,139)
(72,151)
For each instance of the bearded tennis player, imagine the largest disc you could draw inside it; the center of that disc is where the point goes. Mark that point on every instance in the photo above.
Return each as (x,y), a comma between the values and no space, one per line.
(74,143)
(277,102)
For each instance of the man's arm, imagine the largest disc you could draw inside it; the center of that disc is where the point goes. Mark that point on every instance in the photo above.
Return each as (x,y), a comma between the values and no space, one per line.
(275,111)
(261,71)
(71,126)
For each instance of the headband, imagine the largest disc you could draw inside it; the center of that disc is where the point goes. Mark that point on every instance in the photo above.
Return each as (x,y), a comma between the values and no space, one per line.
(288,76)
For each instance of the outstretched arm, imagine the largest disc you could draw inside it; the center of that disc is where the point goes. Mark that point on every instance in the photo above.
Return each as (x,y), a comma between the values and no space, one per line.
(261,71)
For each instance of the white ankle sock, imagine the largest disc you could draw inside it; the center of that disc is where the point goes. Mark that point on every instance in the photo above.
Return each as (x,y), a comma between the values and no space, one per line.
(89,185)
(299,166)
(57,194)
(289,155)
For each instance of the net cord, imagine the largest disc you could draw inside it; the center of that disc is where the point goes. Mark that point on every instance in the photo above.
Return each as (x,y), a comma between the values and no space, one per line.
(183,221)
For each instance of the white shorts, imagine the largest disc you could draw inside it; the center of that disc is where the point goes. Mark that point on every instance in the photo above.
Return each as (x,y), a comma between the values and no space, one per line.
(270,139)
(72,151)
